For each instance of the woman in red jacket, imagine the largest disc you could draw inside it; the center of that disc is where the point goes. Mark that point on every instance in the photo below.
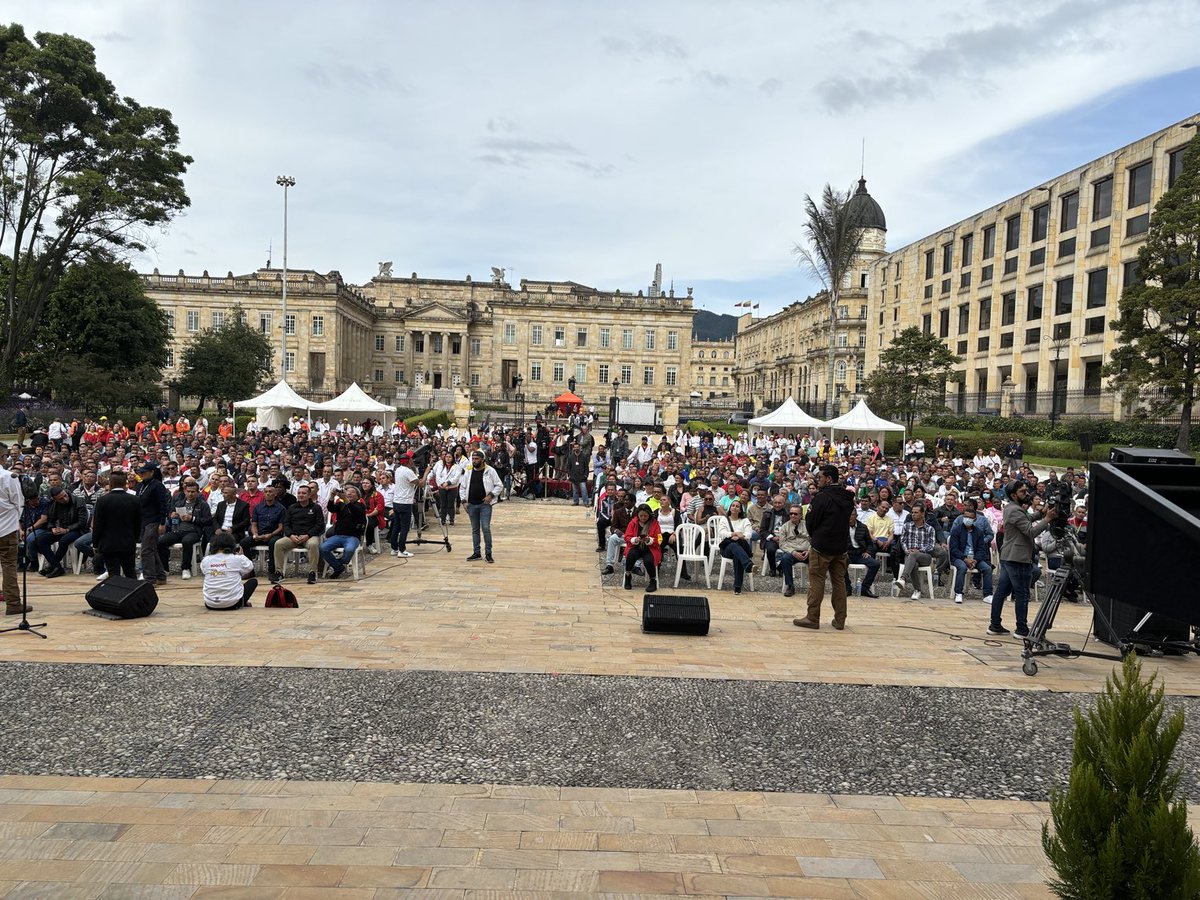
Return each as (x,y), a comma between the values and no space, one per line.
(373,501)
(643,542)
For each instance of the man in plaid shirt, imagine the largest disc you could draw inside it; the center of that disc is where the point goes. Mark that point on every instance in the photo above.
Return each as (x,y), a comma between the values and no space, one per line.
(919,542)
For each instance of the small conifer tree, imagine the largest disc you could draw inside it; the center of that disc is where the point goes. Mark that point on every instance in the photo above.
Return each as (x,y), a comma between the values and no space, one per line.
(1119,830)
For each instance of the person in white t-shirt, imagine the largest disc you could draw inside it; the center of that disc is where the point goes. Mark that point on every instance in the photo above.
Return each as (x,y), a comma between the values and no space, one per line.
(405,493)
(228,575)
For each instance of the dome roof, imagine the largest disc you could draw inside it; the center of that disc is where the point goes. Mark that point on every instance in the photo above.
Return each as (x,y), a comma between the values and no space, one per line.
(869,213)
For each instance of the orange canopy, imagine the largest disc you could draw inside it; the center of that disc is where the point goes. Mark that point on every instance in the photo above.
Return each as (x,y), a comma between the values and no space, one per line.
(568,402)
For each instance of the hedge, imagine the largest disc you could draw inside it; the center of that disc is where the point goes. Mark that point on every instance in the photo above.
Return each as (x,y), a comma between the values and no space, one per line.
(1103,431)
(721,426)
(431,419)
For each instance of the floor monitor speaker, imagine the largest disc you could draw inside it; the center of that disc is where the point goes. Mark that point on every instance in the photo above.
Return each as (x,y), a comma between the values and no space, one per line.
(126,598)
(671,614)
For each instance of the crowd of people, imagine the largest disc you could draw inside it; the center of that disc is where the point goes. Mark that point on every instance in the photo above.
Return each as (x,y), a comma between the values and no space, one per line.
(975,516)
(968,514)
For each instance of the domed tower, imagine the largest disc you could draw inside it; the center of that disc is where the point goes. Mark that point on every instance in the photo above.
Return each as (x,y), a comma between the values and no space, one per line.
(870,216)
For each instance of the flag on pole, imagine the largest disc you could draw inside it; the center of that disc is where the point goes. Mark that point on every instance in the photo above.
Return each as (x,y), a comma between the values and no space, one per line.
(755,305)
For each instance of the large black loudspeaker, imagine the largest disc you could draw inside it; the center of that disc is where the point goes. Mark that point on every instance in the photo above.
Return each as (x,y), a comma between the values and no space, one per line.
(127,598)
(668,614)
(1149,456)
(1143,539)
(1085,441)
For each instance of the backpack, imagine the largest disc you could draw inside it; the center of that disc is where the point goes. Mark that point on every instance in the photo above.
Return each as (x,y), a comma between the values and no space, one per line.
(279,597)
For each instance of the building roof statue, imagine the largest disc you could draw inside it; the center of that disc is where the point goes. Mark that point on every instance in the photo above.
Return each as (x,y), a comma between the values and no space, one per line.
(870,215)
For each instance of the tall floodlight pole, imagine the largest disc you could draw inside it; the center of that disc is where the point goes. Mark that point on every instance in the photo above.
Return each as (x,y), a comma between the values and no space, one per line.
(285,182)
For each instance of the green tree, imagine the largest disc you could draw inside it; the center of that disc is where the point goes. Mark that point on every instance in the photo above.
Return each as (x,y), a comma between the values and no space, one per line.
(102,343)
(911,375)
(83,171)
(834,237)
(1158,324)
(1120,830)
(226,363)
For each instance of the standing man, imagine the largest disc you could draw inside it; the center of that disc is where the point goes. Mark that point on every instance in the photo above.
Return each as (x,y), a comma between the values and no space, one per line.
(20,423)
(1016,558)
(407,482)
(577,473)
(827,517)
(12,502)
(480,489)
(116,526)
(155,505)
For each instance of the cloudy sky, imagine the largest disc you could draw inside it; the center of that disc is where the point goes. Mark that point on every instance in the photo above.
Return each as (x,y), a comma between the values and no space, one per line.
(588,141)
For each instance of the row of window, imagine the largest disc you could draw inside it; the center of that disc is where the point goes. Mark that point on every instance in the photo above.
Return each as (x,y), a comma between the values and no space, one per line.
(537,337)
(217,320)
(1139,180)
(536,373)
(713,354)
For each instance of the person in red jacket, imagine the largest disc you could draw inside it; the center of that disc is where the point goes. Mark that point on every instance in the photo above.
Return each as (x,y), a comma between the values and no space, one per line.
(372,500)
(643,543)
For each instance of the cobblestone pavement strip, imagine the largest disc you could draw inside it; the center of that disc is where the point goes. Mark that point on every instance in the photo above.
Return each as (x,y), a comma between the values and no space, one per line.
(191,722)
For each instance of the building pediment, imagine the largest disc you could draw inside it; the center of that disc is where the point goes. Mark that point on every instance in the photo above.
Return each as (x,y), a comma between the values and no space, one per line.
(432,314)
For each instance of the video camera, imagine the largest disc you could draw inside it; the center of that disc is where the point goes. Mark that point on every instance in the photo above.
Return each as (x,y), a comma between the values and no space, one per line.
(1060,498)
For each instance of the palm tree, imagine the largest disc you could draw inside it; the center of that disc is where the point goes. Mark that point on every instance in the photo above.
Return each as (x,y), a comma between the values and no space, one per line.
(834,236)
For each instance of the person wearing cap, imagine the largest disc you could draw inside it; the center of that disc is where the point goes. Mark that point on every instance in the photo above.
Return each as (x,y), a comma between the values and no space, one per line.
(403,497)
(155,504)
(479,490)
(66,521)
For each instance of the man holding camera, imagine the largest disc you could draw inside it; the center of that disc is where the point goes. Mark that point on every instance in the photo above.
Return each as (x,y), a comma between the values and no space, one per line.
(1016,558)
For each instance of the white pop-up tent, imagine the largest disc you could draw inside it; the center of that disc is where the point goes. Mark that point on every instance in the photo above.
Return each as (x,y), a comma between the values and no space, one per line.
(353,401)
(789,417)
(274,407)
(861,422)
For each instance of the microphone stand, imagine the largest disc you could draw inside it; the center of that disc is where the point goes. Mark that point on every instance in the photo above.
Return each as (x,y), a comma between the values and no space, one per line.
(24,625)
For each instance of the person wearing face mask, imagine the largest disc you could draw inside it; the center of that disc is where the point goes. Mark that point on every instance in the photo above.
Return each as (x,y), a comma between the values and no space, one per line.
(970,551)
(479,489)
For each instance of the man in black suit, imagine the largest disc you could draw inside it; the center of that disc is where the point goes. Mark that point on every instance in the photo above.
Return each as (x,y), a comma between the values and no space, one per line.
(116,527)
(233,513)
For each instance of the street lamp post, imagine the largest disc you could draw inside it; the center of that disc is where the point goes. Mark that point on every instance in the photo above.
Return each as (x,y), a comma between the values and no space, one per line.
(285,182)
(520,398)
(1059,344)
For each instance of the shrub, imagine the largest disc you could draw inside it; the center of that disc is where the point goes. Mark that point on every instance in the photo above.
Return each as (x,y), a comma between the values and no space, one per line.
(240,422)
(1104,431)
(430,418)
(1119,829)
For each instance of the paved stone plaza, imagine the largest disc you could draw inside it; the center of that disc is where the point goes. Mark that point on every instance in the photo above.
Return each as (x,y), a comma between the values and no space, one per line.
(444,728)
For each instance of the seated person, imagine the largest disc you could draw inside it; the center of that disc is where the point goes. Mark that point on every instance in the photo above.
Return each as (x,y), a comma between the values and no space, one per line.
(643,543)
(735,543)
(970,551)
(190,521)
(266,526)
(792,540)
(769,525)
(882,529)
(228,575)
(861,551)
(622,513)
(919,543)
(66,521)
(303,526)
(350,523)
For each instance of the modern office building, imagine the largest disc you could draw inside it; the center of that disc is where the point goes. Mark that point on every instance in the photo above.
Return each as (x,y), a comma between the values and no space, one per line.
(1024,291)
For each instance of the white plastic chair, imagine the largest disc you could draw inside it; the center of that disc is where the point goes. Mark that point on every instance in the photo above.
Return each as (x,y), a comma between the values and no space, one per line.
(927,571)
(690,544)
(726,561)
(715,529)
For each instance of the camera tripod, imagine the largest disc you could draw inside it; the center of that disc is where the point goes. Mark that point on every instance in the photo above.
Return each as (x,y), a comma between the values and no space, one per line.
(1036,644)
(421,503)
(24,624)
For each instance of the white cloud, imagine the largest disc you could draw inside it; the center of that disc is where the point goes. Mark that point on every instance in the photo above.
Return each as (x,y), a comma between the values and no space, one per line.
(590,141)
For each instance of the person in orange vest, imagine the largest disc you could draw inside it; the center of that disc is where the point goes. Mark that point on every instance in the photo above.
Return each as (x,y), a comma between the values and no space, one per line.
(225,429)
(182,425)
(140,427)
(166,429)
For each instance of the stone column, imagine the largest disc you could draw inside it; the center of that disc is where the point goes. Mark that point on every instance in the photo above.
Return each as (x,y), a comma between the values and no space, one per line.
(447,379)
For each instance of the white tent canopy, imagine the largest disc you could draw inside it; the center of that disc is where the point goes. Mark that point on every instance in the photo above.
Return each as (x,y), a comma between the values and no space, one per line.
(861,421)
(274,407)
(353,401)
(788,417)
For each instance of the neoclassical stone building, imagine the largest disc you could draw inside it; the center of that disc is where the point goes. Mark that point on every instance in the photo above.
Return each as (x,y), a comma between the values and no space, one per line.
(712,370)
(1024,291)
(409,338)
(787,354)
